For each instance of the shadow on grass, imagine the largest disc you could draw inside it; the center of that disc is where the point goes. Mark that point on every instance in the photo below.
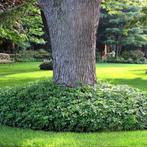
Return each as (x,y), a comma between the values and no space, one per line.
(6,69)
(136,83)
(18,72)
(140,72)
(11,82)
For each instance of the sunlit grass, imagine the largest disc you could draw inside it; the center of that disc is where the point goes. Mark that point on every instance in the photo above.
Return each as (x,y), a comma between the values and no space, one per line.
(21,73)
(130,74)
(12,137)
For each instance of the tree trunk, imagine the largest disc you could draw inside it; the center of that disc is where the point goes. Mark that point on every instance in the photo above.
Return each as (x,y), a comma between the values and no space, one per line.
(72,26)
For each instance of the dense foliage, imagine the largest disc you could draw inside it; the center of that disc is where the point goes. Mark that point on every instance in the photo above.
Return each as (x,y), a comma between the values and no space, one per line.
(22,25)
(130,56)
(121,27)
(46,106)
(32,55)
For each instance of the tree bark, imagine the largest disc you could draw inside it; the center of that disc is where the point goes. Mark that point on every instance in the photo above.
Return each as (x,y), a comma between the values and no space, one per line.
(72,25)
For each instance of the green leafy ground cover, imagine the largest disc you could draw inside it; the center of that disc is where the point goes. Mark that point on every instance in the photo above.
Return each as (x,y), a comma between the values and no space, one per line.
(42,105)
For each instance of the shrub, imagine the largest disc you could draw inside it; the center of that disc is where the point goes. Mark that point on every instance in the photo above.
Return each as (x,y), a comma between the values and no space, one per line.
(111,59)
(98,57)
(33,55)
(130,60)
(46,66)
(117,60)
(43,105)
(25,56)
(142,60)
(133,54)
(42,54)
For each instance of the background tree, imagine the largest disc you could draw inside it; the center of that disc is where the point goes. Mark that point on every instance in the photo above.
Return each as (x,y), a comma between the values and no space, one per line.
(121,27)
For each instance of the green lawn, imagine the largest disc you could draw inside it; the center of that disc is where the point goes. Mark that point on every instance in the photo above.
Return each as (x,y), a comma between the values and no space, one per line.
(12,137)
(21,73)
(131,74)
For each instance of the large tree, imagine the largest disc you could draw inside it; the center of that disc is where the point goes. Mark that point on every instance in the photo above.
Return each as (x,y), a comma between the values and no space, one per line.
(72,25)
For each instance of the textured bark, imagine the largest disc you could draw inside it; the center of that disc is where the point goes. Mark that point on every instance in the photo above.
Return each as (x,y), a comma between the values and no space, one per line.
(72,26)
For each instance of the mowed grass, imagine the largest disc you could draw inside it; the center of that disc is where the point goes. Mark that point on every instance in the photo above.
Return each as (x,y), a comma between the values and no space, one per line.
(128,74)
(21,73)
(12,137)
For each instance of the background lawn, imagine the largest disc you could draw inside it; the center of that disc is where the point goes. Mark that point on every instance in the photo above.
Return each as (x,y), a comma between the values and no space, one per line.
(12,137)
(21,73)
(130,74)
